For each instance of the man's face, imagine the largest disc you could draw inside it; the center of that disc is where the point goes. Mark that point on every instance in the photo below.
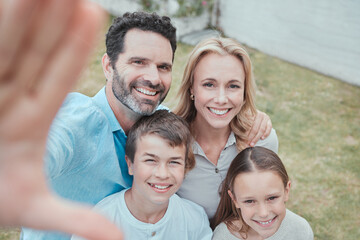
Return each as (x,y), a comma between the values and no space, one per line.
(142,73)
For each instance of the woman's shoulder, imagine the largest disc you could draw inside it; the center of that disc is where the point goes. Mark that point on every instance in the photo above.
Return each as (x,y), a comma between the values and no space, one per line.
(271,142)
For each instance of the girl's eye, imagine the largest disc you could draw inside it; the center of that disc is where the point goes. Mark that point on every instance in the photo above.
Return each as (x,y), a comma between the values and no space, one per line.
(249,201)
(234,86)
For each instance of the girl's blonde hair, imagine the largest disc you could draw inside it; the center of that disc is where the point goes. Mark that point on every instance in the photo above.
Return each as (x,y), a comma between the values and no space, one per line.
(222,46)
(249,160)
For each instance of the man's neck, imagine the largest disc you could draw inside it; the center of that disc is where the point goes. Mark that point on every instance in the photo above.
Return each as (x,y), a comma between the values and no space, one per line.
(142,210)
(124,115)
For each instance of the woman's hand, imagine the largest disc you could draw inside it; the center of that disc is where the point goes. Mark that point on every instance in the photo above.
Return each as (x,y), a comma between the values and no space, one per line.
(44,45)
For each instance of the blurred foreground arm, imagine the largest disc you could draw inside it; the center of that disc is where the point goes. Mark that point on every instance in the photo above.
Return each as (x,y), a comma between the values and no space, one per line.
(44,45)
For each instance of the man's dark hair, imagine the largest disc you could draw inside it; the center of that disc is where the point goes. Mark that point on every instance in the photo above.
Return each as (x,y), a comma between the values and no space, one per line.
(140,20)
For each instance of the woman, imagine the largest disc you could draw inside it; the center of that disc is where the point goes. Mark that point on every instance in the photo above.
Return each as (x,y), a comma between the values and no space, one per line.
(217,100)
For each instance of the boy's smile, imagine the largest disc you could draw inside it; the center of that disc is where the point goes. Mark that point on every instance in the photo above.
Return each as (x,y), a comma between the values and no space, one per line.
(158,171)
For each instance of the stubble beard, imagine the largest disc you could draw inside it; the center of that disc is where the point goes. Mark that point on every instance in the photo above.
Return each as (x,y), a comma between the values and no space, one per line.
(123,93)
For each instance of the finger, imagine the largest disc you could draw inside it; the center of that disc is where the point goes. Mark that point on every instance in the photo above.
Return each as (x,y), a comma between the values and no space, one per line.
(257,130)
(44,34)
(15,19)
(69,59)
(267,129)
(52,213)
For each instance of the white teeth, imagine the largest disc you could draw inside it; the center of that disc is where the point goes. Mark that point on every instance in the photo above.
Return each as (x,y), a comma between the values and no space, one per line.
(146,92)
(159,187)
(219,112)
(264,223)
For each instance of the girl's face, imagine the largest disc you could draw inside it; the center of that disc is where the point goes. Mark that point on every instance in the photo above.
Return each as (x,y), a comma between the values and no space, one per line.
(218,89)
(261,197)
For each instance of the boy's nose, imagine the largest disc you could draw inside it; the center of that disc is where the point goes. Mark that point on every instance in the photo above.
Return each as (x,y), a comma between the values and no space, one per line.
(161,171)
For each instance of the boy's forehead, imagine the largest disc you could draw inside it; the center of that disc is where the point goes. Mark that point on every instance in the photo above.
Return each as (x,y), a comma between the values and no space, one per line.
(156,144)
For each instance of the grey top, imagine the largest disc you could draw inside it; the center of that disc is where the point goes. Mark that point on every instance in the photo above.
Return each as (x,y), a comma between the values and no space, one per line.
(201,184)
(292,227)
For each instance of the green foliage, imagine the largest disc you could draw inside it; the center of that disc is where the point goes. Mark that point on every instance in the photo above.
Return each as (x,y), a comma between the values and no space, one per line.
(187,8)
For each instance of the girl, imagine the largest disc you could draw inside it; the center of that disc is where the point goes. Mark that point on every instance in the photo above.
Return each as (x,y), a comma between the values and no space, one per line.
(253,196)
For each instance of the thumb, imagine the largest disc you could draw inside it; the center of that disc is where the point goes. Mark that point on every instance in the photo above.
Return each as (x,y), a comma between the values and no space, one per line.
(52,213)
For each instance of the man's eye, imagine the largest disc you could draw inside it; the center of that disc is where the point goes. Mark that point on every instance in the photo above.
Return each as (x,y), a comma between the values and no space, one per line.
(165,67)
(139,62)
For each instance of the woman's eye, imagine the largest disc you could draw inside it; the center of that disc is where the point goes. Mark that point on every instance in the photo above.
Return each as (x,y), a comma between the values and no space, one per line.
(208,84)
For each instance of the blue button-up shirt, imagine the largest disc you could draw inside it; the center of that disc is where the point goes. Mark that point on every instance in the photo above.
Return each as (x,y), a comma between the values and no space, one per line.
(85,158)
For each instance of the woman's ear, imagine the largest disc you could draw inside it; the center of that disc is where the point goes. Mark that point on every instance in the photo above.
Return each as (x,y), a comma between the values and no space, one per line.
(287,191)
(233,199)
(107,67)
(129,164)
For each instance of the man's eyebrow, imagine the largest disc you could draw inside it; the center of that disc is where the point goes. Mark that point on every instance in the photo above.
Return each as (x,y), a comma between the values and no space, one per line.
(137,59)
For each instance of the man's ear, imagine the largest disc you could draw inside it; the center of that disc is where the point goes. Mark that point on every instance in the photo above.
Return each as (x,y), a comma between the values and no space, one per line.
(287,191)
(233,199)
(107,67)
(130,165)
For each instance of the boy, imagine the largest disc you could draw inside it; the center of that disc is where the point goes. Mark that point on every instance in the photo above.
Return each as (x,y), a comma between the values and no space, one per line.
(158,156)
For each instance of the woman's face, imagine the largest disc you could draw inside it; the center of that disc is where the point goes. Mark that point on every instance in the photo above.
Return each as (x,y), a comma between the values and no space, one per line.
(218,89)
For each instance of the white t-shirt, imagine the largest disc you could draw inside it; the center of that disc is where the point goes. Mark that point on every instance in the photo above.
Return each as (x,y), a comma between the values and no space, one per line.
(183,220)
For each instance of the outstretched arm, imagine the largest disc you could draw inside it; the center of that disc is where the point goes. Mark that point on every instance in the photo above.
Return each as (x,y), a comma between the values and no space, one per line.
(43,46)
(260,129)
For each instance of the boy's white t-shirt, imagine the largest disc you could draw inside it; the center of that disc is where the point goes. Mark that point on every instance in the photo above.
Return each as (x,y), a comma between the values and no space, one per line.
(183,220)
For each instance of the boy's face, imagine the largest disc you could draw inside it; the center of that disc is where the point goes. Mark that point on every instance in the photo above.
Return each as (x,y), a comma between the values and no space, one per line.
(158,169)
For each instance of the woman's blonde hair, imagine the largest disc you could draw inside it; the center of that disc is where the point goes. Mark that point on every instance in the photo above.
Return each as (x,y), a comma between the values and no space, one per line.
(222,46)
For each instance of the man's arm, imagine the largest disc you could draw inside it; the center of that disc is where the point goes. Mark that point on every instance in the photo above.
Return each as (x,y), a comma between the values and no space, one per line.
(260,129)
(43,46)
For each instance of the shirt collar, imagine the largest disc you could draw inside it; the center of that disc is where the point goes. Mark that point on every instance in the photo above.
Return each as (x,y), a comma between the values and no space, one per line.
(198,150)
(101,100)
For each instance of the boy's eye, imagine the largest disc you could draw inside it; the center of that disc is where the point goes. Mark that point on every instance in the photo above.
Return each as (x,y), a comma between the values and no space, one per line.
(272,198)
(149,160)
(175,162)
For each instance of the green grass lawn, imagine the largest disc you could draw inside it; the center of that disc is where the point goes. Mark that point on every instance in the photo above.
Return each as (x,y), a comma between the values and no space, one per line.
(317,119)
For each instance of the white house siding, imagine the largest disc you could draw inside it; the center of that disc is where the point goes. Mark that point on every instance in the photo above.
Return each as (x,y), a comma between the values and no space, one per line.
(323,35)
